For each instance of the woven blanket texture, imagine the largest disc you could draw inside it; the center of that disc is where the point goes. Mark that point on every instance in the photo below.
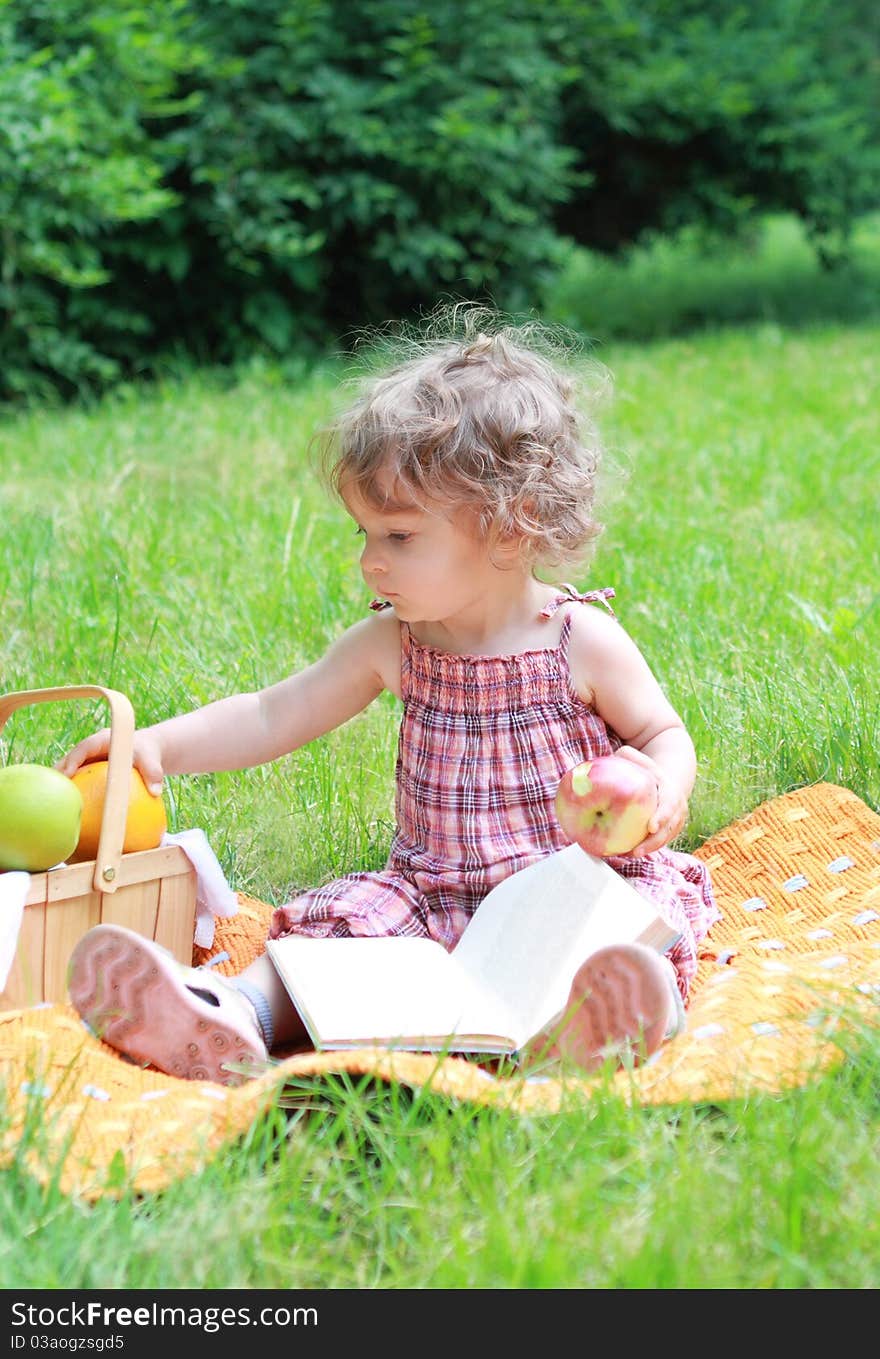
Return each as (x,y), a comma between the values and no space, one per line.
(784,977)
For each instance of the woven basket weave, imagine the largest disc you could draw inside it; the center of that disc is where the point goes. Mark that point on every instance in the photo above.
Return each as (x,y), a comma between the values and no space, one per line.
(785,975)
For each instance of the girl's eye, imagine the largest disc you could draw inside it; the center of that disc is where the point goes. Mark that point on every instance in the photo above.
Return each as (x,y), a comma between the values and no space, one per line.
(399,537)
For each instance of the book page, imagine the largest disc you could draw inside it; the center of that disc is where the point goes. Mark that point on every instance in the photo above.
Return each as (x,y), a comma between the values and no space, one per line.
(533,931)
(360,991)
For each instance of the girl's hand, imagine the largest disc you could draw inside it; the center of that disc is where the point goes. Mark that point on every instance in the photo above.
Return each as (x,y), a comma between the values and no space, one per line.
(671,814)
(146,756)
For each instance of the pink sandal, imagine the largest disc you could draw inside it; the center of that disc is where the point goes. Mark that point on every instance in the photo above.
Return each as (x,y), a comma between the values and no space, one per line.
(185,1021)
(623,1003)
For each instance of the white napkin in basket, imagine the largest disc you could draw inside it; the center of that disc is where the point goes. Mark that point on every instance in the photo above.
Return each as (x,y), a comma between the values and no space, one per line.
(214,896)
(13,890)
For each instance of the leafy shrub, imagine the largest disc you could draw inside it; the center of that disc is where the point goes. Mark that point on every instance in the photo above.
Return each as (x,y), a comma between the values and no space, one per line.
(345,162)
(699,111)
(77,81)
(215,176)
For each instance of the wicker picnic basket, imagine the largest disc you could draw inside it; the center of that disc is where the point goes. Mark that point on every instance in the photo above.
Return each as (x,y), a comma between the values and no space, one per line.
(152,891)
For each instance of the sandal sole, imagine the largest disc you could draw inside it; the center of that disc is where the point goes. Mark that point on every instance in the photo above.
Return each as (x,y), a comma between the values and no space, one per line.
(619,1006)
(131,994)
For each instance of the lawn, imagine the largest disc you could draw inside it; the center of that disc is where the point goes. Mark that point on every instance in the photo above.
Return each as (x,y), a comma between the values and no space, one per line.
(172,542)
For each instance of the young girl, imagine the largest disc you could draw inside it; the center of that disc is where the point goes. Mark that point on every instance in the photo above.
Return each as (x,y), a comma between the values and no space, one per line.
(466,468)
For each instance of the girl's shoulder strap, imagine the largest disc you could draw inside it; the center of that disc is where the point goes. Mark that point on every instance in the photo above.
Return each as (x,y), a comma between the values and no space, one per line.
(406,645)
(568,593)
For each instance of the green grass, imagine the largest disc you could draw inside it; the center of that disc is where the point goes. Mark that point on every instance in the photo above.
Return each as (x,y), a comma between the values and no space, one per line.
(375,1188)
(171,542)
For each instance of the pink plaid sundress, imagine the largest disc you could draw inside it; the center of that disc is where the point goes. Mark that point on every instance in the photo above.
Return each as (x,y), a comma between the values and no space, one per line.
(484,741)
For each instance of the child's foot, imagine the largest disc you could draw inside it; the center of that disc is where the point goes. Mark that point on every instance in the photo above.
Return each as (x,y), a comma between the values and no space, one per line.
(623,1003)
(187,1022)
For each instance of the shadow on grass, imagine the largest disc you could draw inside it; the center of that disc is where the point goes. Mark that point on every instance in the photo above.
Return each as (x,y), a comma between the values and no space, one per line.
(674,287)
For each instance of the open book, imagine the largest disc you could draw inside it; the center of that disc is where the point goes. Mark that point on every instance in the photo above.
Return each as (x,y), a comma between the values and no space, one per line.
(505,981)
(507,978)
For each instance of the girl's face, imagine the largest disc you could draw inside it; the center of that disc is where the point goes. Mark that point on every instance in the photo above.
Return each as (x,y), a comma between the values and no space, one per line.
(427,560)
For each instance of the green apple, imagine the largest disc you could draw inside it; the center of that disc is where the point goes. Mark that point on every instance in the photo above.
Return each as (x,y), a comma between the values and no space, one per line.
(40,812)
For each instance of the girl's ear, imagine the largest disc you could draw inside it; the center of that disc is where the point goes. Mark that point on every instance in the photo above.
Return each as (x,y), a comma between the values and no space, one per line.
(516,542)
(508,549)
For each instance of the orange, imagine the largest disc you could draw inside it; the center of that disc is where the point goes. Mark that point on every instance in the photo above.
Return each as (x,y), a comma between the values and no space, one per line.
(145,823)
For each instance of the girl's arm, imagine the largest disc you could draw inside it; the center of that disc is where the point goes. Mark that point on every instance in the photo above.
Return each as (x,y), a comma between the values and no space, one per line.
(250,729)
(612,676)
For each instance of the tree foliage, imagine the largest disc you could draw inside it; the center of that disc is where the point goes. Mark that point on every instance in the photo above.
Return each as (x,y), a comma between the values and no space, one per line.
(688,111)
(77,164)
(347,161)
(219,175)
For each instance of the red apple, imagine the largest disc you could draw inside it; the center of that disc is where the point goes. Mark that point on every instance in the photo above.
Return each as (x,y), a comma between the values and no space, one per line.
(605,805)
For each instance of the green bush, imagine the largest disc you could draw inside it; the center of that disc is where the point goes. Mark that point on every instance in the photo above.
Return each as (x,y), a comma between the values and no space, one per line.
(699,111)
(77,83)
(347,162)
(219,176)
(215,175)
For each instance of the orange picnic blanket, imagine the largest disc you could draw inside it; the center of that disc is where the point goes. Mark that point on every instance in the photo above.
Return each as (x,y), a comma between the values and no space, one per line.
(784,977)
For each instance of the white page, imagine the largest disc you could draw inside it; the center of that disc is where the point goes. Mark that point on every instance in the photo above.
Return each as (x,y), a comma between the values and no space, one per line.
(533,931)
(381,989)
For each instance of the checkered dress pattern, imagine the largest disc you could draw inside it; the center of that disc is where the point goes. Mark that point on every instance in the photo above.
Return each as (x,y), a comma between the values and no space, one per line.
(484,741)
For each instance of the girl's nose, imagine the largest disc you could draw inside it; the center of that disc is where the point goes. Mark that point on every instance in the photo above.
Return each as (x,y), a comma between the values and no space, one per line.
(371,559)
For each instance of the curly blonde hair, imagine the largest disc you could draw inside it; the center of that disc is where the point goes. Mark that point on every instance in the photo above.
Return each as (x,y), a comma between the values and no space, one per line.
(482,413)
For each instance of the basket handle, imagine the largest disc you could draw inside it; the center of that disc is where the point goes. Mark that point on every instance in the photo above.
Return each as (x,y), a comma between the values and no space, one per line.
(119,760)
